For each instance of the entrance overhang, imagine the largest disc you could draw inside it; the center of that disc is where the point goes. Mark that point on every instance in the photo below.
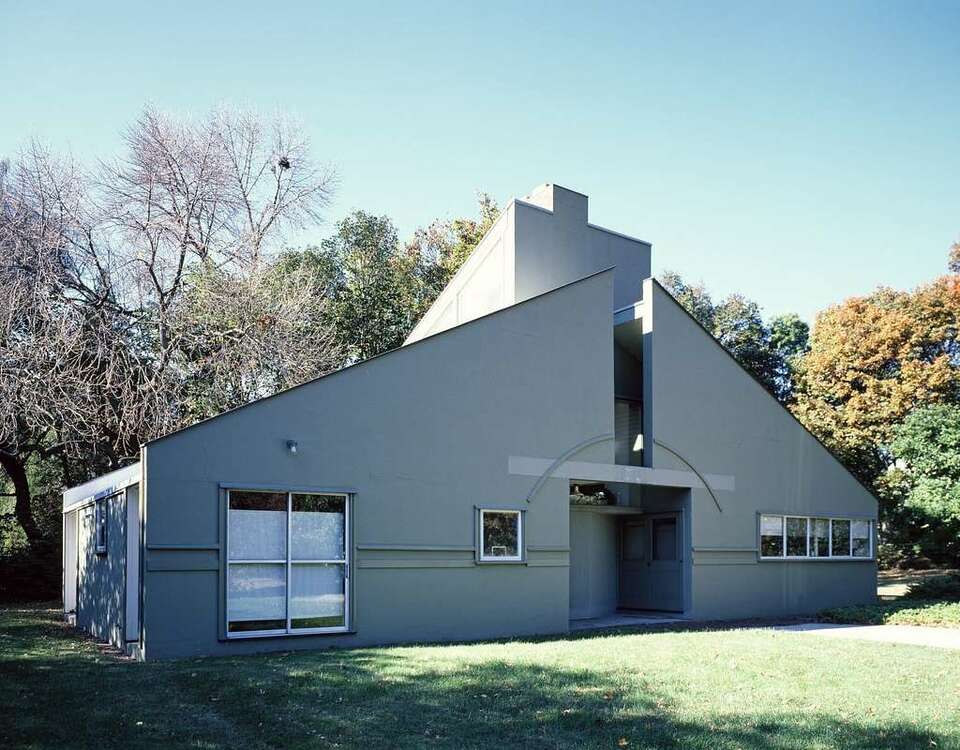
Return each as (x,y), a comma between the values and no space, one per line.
(597,472)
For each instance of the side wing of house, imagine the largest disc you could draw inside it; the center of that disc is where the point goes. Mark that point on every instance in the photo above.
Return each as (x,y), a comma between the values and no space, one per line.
(101,556)
(417,441)
(702,406)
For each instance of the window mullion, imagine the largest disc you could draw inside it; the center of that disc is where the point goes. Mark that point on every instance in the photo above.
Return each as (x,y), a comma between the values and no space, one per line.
(289,556)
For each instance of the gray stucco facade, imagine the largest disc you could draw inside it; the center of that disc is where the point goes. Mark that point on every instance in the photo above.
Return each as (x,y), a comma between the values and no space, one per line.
(443,472)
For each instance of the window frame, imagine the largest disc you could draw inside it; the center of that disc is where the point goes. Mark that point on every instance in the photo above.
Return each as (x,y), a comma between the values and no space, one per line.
(100,520)
(521,556)
(786,537)
(288,563)
(784,557)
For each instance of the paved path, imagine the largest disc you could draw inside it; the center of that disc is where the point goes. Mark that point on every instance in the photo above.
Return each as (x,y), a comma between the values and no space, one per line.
(623,620)
(916,635)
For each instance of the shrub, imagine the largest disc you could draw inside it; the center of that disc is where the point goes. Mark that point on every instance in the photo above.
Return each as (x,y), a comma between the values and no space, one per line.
(917,563)
(946,586)
(913,612)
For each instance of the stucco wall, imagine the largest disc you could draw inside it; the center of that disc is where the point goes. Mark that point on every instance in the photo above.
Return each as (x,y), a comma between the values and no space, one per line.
(537,244)
(702,404)
(557,245)
(593,564)
(422,436)
(483,284)
(101,578)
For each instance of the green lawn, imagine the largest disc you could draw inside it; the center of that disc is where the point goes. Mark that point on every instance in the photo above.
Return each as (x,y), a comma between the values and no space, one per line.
(746,689)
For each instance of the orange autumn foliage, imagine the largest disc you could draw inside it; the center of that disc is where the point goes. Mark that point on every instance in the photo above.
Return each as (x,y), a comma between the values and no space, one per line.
(872,360)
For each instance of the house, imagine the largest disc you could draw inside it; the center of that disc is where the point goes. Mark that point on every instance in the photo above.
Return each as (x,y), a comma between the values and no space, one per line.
(557,440)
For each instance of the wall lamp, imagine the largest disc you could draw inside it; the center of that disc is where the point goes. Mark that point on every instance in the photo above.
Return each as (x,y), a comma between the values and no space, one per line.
(292,446)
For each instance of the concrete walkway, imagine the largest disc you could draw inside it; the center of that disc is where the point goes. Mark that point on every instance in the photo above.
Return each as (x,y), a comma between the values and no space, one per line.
(624,620)
(916,635)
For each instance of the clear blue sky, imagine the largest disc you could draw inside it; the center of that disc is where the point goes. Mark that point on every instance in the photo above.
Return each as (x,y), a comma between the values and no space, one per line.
(798,155)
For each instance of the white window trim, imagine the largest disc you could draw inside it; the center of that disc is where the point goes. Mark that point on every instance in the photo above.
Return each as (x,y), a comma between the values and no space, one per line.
(519,557)
(784,557)
(289,562)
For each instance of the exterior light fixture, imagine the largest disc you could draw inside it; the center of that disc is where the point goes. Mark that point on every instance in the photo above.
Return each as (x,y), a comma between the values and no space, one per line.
(292,446)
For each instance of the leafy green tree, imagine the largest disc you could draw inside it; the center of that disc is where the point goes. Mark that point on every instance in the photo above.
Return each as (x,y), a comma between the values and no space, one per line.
(926,449)
(374,285)
(738,325)
(448,243)
(790,339)
(790,335)
(736,322)
(695,298)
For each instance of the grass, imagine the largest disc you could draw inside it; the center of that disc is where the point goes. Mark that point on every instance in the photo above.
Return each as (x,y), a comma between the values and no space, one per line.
(745,689)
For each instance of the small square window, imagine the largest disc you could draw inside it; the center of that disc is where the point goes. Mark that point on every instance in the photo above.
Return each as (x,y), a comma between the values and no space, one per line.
(100,525)
(501,535)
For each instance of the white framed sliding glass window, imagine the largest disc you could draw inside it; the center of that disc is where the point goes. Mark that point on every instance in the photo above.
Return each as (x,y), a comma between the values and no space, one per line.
(500,537)
(784,537)
(287,567)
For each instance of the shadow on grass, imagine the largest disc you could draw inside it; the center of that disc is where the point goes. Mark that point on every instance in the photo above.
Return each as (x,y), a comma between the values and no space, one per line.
(57,692)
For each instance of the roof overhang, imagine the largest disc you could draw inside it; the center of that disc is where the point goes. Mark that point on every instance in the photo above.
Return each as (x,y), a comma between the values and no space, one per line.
(596,472)
(102,486)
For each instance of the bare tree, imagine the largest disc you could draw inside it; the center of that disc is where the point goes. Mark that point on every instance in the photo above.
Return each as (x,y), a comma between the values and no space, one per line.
(100,272)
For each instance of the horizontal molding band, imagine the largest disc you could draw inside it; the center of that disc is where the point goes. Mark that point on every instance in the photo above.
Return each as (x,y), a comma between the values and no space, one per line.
(415,547)
(181,566)
(726,549)
(547,548)
(184,547)
(461,563)
(467,562)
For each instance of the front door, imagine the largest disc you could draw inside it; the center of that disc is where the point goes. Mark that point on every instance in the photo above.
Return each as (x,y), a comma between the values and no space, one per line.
(634,564)
(651,567)
(666,565)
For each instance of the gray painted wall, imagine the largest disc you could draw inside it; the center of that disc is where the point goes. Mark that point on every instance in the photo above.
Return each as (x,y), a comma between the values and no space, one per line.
(101,578)
(593,564)
(422,435)
(538,244)
(701,403)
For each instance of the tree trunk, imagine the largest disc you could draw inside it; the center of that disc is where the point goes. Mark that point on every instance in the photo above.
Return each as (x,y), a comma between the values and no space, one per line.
(16,469)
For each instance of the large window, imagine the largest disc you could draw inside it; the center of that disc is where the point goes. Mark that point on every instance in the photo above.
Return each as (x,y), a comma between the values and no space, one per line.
(793,537)
(287,566)
(501,536)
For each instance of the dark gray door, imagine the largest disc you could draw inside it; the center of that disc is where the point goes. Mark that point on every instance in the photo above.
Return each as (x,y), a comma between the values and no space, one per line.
(651,568)
(634,564)
(666,564)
